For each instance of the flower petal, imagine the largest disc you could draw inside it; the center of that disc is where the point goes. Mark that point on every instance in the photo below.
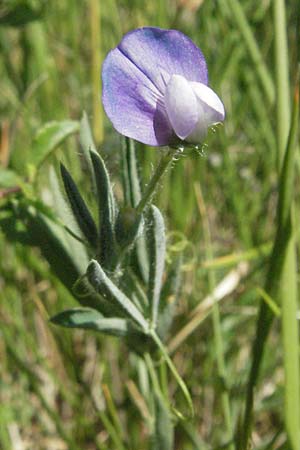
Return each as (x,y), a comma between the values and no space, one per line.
(181,106)
(133,103)
(156,51)
(210,110)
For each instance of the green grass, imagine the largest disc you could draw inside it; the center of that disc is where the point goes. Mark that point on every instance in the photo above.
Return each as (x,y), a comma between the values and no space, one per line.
(75,390)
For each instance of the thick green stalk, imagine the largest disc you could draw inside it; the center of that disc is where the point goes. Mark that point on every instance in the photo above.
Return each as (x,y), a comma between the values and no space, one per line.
(282,80)
(288,289)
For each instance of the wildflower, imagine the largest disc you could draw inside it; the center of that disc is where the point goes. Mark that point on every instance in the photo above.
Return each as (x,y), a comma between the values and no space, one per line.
(155,88)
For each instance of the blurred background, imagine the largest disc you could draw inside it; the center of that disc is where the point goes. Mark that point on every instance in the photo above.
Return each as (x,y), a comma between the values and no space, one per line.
(75,390)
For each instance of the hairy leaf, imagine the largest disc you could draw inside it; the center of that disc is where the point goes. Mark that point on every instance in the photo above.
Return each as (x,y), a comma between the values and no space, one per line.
(91,319)
(107,211)
(110,291)
(80,210)
(157,249)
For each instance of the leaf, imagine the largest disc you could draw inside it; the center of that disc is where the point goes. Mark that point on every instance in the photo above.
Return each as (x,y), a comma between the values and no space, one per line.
(25,223)
(90,319)
(107,211)
(131,182)
(163,436)
(48,138)
(110,291)
(157,250)
(59,204)
(80,210)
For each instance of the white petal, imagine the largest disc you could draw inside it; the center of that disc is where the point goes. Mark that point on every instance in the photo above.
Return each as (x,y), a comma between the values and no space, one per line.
(181,106)
(210,110)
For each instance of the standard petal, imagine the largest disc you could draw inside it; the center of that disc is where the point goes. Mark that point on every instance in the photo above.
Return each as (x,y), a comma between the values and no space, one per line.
(133,103)
(157,52)
(210,111)
(181,106)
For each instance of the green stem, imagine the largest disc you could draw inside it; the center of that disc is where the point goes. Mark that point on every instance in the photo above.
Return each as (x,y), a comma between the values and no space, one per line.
(282,80)
(160,170)
(174,372)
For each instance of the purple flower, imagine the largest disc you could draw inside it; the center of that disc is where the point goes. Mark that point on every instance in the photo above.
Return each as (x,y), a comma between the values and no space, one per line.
(155,88)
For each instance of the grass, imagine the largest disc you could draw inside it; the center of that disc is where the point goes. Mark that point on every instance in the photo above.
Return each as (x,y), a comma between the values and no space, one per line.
(72,389)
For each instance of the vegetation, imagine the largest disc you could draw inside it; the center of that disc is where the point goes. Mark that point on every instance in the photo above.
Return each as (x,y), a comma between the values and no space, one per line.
(230,305)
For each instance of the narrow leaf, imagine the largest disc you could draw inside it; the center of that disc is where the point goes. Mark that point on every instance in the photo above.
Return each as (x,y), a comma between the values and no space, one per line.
(107,211)
(79,208)
(110,291)
(157,250)
(90,319)
(131,181)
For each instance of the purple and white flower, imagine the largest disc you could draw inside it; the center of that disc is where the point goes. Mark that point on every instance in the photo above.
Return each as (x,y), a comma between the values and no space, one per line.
(155,88)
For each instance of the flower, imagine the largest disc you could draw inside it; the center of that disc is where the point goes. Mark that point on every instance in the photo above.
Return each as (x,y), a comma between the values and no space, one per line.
(155,88)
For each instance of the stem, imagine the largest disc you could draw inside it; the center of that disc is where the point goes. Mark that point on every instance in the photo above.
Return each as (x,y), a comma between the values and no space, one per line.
(288,292)
(174,372)
(282,80)
(216,318)
(160,170)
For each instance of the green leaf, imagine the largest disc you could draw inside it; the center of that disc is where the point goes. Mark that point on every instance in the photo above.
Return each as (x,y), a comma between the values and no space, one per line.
(80,210)
(157,250)
(48,138)
(131,182)
(59,204)
(90,319)
(107,211)
(163,436)
(25,223)
(110,291)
